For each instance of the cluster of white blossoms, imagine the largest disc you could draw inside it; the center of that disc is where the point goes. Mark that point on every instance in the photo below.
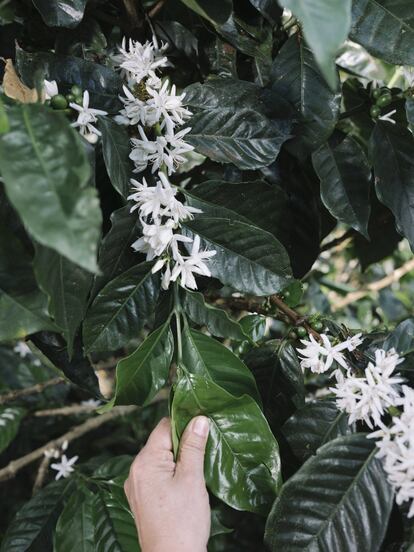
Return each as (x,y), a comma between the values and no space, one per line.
(368,398)
(154,110)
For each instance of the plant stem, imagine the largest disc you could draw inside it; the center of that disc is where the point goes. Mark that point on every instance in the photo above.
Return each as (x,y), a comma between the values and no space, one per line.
(177,312)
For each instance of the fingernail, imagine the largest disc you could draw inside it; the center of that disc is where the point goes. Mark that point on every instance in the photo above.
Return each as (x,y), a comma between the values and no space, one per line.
(200,426)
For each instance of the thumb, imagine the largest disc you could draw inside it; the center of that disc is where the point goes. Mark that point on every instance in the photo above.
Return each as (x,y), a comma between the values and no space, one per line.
(192,448)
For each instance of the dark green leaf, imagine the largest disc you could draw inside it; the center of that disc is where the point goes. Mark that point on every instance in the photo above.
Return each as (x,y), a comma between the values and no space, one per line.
(207,357)
(326,24)
(4,120)
(67,286)
(121,308)
(385,28)
(116,149)
(242,465)
(75,529)
(254,326)
(217,321)
(269,9)
(402,338)
(248,258)
(392,148)
(10,418)
(345,177)
(347,505)
(58,13)
(216,11)
(314,425)
(143,373)
(296,77)
(46,175)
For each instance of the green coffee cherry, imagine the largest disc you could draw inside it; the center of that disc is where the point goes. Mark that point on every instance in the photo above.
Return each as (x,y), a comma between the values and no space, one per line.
(70,97)
(375,111)
(301,331)
(76,90)
(317,326)
(59,102)
(376,93)
(293,335)
(384,100)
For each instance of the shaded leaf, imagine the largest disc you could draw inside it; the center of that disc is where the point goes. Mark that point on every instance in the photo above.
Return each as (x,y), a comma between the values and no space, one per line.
(10,418)
(116,149)
(402,338)
(75,529)
(58,13)
(216,11)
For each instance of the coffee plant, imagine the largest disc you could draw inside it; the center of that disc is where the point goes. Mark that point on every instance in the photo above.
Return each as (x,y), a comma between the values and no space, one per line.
(207,207)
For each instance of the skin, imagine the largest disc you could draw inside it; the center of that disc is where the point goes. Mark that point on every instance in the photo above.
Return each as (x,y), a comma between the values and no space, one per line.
(168,499)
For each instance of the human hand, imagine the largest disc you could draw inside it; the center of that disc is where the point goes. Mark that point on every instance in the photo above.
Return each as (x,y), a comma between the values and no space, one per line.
(169,500)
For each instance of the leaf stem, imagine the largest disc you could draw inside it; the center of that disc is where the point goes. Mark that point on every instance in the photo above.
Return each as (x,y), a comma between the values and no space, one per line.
(177,312)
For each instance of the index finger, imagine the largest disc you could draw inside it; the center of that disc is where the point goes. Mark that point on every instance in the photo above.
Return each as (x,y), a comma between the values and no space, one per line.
(160,438)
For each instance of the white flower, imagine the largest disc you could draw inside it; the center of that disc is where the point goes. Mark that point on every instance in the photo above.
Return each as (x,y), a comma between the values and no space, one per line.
(139,61)
(50,88)
(319,357)
(185,267)
(388,117)
(168,105)
(93,403)
(52,453)
(136,111)
(156,238)
(22,349)
(387,361)
(65,467)
(87,116)
(353,342)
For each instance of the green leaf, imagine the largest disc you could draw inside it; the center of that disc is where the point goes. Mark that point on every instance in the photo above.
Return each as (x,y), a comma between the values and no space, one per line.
(32,528)
(392,148)
(296,77)
(217,321)
(269,9)
(56,13)
(326,25)
(10,418)
(402,338)
(348,501)
(345,177)
(254,326)
(242,465)
(247,258)
(142,374)
(385,28)
(121,308)
(75,528)
(46,175)
(216,11)
(116,149)
(314,425)
(67,286)
(115,529)
(207,357)
(4,120)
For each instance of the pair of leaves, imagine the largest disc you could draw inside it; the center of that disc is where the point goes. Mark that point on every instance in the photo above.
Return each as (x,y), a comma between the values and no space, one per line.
(46,175)
(338,500)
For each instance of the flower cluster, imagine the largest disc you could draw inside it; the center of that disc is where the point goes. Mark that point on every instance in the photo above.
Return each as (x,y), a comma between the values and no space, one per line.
(154,110)
(320,356)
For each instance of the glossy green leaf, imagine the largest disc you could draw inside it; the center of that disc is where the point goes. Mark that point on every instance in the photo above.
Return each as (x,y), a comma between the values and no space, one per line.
(345,177)
(248,258)
(4,120)
(121,308)
(391,150)
(216,11)
(67,286)
(254,326)
(10,418)
(326,25)
(116,149)
(242,465)
(115,529)
(58,13)
(207,357)
(269,9)
(385,28)
(142,374)
(217,321)
(402,338)
(338,500)
(32,528)
(314,425)
(46,175)
(75,528)
(296,77)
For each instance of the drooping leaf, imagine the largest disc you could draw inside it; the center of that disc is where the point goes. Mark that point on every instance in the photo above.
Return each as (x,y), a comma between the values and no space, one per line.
(345,176)
(46,175)
(67,286)
(314,425)
(242,465)
(121,308)
(326,25)
(75,529)
(216,11)
(217,320)
(207,357)
(116,149)
(32,528)
(10,418)
(385,28)
(296,77)
(56,13)
(142,374)
(391,150)
(247,258)
(348,501)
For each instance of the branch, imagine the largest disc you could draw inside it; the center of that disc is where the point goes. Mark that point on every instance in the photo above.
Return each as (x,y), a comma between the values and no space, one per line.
(38,388)
(41,474)
(296,318)
(337,241)
(157,8)
(375,286)
(66,410)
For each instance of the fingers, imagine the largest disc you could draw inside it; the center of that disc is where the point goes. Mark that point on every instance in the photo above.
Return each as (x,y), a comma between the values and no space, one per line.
(160,438)
(192,448)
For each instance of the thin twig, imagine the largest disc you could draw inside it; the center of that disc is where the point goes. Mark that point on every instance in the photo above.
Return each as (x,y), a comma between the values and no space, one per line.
(156,9)
(41,474)
(66,410)
(38,388)
(296,318)
(374,286)
(337,241)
